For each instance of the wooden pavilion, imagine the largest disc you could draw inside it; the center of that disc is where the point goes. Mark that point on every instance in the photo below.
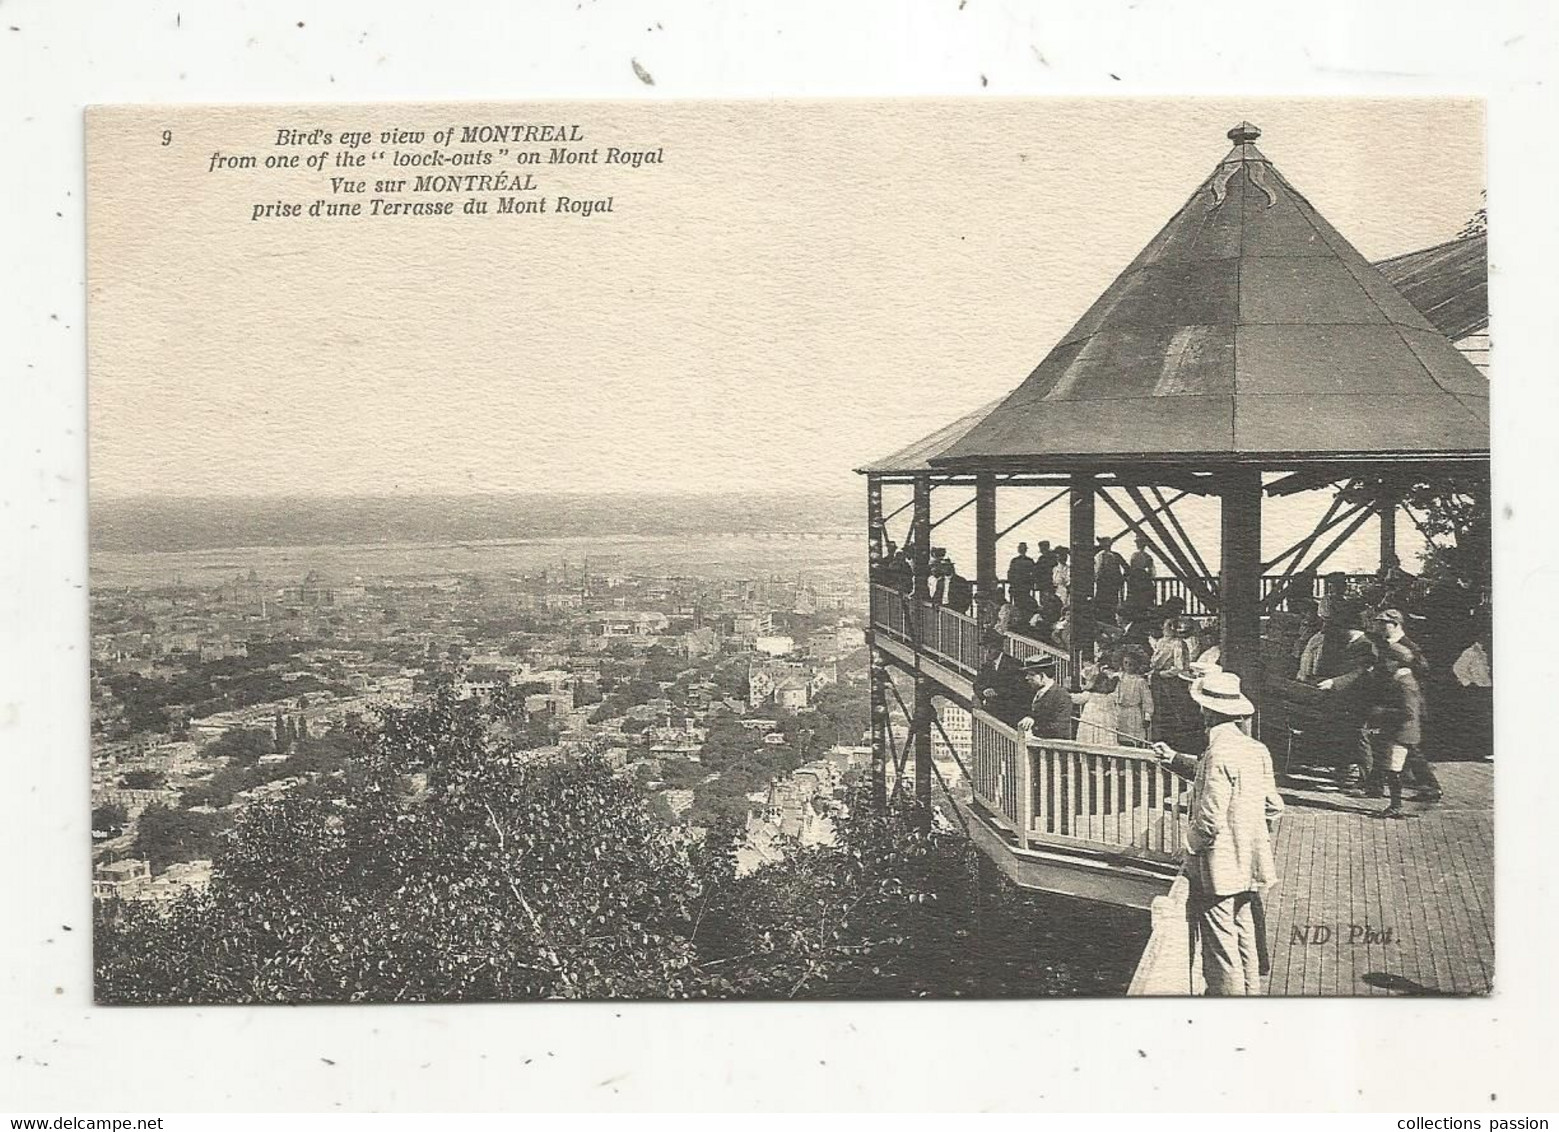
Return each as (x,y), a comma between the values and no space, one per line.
(1248,352)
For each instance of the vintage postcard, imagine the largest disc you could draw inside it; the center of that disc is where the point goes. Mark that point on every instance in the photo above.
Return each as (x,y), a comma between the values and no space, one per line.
(816,549)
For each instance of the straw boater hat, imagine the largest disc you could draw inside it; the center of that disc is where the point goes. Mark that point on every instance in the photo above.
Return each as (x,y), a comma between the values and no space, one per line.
(1220,692)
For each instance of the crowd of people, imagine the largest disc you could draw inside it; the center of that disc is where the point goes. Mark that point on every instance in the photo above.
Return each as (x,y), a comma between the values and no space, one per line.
(1399,670)
(894,566)
(1405,672)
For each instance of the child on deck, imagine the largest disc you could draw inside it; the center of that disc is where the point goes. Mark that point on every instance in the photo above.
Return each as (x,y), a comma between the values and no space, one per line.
(1133,699)
(1097,724)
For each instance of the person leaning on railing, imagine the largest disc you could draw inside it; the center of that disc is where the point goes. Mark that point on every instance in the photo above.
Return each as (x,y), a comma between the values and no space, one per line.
(958,593)
(1050,707)
(999,686)
(1229,860)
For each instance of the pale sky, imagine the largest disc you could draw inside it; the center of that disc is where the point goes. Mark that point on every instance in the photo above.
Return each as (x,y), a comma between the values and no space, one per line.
(800,288)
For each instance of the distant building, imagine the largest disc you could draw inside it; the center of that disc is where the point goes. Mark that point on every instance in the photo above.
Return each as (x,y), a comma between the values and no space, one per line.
(958,743)
(122,879)
(793,691)
(549,703)
(628,623)
(700,643)
(311,593)
(848,638)
(797,811)
(791,684)
(774,645)
(222,648)
(750,625)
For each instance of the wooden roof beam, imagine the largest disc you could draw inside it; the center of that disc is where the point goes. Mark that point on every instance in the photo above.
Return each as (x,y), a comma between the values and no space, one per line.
(1295,482)
(962,506)
(1327,521)
(1361,516)
(1196,585)
(1196,581)
(1005,531)
(1169,512)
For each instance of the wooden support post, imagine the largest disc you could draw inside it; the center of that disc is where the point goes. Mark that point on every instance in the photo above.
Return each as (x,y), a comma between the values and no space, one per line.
(920,531)
(986,595)
(879,669)
(880,736)
(1386,511)
(1079,618)
(920,727)
(875,531)
(921,738)
(1239,588)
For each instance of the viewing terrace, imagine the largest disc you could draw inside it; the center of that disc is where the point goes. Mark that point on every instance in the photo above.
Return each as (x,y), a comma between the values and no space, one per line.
(1249,358)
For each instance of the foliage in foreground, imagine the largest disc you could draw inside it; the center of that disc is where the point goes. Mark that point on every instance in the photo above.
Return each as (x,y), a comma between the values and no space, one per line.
(441,865)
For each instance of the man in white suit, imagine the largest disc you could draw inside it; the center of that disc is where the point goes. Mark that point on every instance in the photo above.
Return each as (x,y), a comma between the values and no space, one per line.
(1234,800)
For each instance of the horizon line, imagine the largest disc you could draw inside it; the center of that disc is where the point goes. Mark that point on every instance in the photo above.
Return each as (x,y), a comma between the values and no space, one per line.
(140,496)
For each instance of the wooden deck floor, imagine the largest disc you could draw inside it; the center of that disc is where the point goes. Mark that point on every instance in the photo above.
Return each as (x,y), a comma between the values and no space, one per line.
(1369,906)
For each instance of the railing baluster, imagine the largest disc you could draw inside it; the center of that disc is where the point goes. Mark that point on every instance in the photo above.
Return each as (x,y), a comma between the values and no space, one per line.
(1091,773)
(1080,800)
(1155,805)
(1091,769)
(1068,793)
(1025,793)
(1182,818)
(1052,807)
(1112,801)
(1135,788)
(1041,807)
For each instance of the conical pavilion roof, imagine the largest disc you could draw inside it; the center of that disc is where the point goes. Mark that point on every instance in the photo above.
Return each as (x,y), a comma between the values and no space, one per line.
(917,456)
(1247,329)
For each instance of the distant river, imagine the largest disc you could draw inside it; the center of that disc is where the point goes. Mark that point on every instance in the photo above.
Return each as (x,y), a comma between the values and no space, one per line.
(827,553)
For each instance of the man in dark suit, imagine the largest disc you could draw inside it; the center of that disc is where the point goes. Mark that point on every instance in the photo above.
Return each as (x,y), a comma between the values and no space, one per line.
(1044,572)
(1000,687)
(1050,707)
(1109,579)
(1020,581)
(960,594)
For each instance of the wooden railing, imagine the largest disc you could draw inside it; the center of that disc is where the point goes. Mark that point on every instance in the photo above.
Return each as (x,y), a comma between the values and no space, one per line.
(1054,792)
(1168,587)
(956,638)
(951,637)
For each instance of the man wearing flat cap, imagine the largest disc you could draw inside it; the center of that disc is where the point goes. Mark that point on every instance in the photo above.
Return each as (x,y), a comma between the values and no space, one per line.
(999,687)
(1050,710)
(1387,629)
(1234,800)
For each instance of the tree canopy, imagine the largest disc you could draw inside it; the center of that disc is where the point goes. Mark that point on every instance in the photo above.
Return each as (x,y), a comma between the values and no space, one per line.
(445,865)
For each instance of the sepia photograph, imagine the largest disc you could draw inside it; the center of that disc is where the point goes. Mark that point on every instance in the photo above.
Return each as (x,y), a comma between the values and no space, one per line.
(790,550)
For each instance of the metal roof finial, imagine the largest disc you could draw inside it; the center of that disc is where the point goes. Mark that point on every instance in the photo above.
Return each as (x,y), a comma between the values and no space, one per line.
(1244,133)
